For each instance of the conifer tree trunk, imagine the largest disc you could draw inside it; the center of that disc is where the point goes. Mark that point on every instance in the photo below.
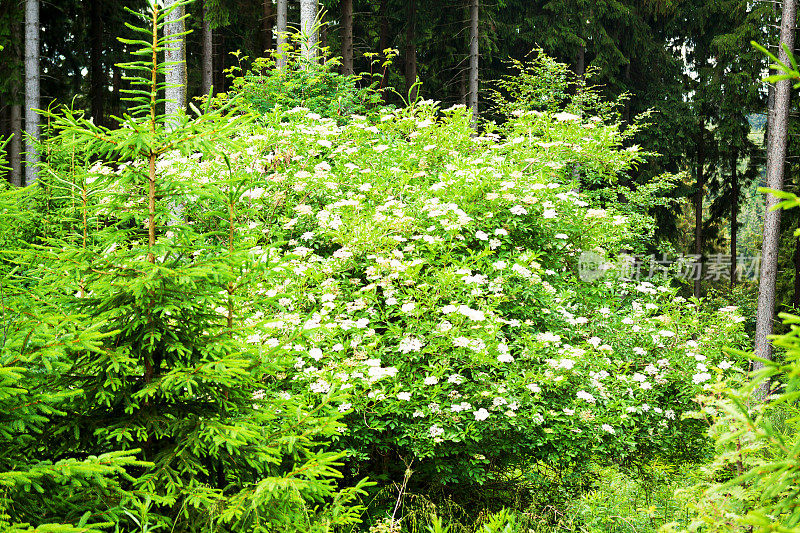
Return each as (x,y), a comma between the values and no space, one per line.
(32,89)
(347,37)
(473,61)
(176,54)
(796,295)
(580,62)
(208,50)
(98,76)
(267,23)
(734,216)
(116,87)
(383,36)
(15,146)
(776,156)
(282,26)
(411,50)
(698,207)
(308,16)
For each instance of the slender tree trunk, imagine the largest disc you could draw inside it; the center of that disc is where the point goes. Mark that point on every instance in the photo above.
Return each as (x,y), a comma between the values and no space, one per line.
(473,60)
(282,29)
(347,37)
(208,50)
(97,89)
(580,62)
(411,50)
(734,217)
(5,129)
(462,87)
(796,295)
(175,53)
(383,36)
(15,146)
(308,16)
(32,88)
(267,23)
(116,86)
(776,156)
(698,207)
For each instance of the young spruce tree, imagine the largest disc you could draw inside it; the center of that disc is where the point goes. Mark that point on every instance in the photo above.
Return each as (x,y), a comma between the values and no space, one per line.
(135,393)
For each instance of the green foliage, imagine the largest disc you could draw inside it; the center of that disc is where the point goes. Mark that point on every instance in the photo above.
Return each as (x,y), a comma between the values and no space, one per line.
(316,86)
(131,393)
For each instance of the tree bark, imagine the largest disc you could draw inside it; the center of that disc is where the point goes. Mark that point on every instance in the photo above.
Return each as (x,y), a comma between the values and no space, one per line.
(796,295)
(208,50)
(383,36)
(776,156)
(32,90)
(411,51)
(473,61)
(175,53)
(97,88)
(116,87)
(267,23)
(580,62)
(308,17)
(734,217)
(15,145)
(698,207)
(347,38)
(282,27)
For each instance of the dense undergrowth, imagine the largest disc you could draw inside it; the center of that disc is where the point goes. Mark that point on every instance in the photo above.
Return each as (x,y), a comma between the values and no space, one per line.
(229,322)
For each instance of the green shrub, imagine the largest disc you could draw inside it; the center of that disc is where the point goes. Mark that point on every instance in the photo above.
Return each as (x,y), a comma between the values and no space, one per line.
(314,85)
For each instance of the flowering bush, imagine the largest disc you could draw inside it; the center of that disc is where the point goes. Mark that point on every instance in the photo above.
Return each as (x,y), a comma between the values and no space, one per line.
(433,275)
(401,275)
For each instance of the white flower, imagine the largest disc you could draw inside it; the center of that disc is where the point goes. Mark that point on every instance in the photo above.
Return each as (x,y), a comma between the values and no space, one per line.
(666,333)
(608,429)
(639,351)
(405,396)
(408,307)
(315,354)
(505,358)
(455,379)
(641,378)
(345,407)
(481,235)
(320,386)
(303,209)
(550,213)
(518,210)
(583,395)
(548,337)
(725,365)
(410,344)
(481,414)
(533,387)
(701,378)
(431,380)
(435,431)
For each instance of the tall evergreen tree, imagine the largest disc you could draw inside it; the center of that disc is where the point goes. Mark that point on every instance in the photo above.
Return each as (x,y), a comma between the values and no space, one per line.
(32,90)
(776,156)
